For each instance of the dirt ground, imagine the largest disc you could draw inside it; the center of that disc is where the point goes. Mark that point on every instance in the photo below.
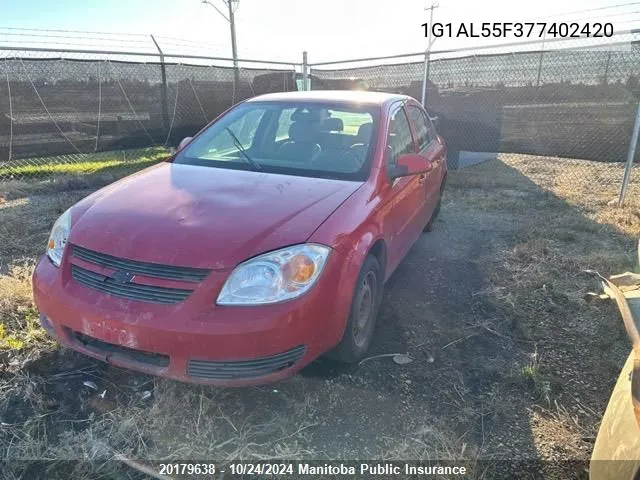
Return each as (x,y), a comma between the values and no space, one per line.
(510,362)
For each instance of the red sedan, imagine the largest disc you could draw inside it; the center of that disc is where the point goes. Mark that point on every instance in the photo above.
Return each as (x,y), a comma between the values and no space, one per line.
(263,243)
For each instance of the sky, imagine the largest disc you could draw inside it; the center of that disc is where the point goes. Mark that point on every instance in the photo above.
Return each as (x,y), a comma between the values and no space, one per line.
(282,29)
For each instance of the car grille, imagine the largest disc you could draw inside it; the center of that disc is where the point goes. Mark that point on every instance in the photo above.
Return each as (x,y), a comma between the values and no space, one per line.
(133,291)
(168,272)
(139,356)
(232,370)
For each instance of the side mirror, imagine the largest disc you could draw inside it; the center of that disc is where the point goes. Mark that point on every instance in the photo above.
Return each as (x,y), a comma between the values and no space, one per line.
(411,164)
(184,142)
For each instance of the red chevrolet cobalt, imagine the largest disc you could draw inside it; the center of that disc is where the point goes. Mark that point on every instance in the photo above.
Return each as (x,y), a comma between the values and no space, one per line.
(263,243)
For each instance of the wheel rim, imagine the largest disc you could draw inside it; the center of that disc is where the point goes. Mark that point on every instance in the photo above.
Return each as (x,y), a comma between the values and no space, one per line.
(365,306)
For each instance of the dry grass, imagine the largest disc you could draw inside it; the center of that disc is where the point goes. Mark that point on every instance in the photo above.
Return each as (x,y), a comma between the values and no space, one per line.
(559,223)
(19,327)
(565,223)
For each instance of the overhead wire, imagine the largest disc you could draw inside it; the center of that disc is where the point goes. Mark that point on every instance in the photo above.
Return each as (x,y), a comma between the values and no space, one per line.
(74,31)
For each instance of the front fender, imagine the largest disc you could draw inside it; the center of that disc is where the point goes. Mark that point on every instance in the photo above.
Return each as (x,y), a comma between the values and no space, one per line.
(351,230)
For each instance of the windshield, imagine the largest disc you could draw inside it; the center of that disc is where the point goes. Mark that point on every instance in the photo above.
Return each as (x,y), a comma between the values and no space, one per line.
(307,139)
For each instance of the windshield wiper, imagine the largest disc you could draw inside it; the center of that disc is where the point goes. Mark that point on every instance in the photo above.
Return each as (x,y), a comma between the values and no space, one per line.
(241,149)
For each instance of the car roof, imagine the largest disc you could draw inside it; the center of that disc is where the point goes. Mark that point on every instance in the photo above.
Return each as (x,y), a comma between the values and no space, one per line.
(346,96)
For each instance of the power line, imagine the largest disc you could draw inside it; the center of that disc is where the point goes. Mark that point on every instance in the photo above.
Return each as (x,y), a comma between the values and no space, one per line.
(73,31)
(630,21)
(68,44)
(35,35)
(583,11)
(566,13)
(606,16)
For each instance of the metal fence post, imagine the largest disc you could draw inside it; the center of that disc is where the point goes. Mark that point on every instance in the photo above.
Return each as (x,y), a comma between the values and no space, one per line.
(305,72)
(425,76)
(163,89)
(540,61)
(539,69)
(630,157)
(605,78)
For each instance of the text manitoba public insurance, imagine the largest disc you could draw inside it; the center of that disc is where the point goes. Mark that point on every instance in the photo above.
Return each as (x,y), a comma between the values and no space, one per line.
(379,469)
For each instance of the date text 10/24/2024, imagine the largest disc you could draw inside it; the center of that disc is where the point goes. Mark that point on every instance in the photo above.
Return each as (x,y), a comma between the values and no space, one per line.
(519,30)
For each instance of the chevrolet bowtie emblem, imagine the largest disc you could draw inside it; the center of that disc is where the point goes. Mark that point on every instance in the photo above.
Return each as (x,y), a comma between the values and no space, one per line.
(120,276)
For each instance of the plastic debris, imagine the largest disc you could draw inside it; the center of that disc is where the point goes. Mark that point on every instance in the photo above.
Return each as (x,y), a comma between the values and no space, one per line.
(90,384)
(146,394)
(402,359)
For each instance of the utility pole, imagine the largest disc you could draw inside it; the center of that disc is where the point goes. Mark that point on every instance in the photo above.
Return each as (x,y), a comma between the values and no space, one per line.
(232,24)
(425,76)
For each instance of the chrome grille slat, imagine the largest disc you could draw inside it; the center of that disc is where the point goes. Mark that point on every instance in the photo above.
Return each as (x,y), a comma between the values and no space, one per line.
(133,291)
(169,272)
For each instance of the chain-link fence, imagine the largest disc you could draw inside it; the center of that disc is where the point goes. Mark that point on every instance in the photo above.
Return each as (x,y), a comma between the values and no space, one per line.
(566,106)
(62,107)
(555,101)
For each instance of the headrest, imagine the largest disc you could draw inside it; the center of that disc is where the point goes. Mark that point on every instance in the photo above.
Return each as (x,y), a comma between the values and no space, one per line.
(364,132)
(332,125)
(300,132)
(301,115)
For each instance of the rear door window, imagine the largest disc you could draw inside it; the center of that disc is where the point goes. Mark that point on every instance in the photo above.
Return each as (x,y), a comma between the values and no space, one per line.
(421,124)
(400,139)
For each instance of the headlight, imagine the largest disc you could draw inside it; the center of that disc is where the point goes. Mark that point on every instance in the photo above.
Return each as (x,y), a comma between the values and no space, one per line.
(275,276)
(58,238)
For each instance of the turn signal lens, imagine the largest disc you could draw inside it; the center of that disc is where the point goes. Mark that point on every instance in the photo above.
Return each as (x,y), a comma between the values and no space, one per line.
(300,269)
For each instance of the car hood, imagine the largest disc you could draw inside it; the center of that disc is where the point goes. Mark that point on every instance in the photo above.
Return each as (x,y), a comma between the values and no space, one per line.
(204,217)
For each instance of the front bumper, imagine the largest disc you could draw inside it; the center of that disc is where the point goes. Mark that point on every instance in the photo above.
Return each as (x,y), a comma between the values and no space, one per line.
(195,340)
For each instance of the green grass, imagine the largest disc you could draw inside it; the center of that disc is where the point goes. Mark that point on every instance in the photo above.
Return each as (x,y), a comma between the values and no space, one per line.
(87,164)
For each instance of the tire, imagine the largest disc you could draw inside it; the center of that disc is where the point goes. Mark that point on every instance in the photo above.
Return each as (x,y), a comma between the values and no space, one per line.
(358,332)
(434,216)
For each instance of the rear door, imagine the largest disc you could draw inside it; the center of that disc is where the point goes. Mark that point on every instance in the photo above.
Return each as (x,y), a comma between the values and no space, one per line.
(405,194)
(429,147)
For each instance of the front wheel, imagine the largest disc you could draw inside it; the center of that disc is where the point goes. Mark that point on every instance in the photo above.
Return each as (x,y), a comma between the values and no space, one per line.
(358,332)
